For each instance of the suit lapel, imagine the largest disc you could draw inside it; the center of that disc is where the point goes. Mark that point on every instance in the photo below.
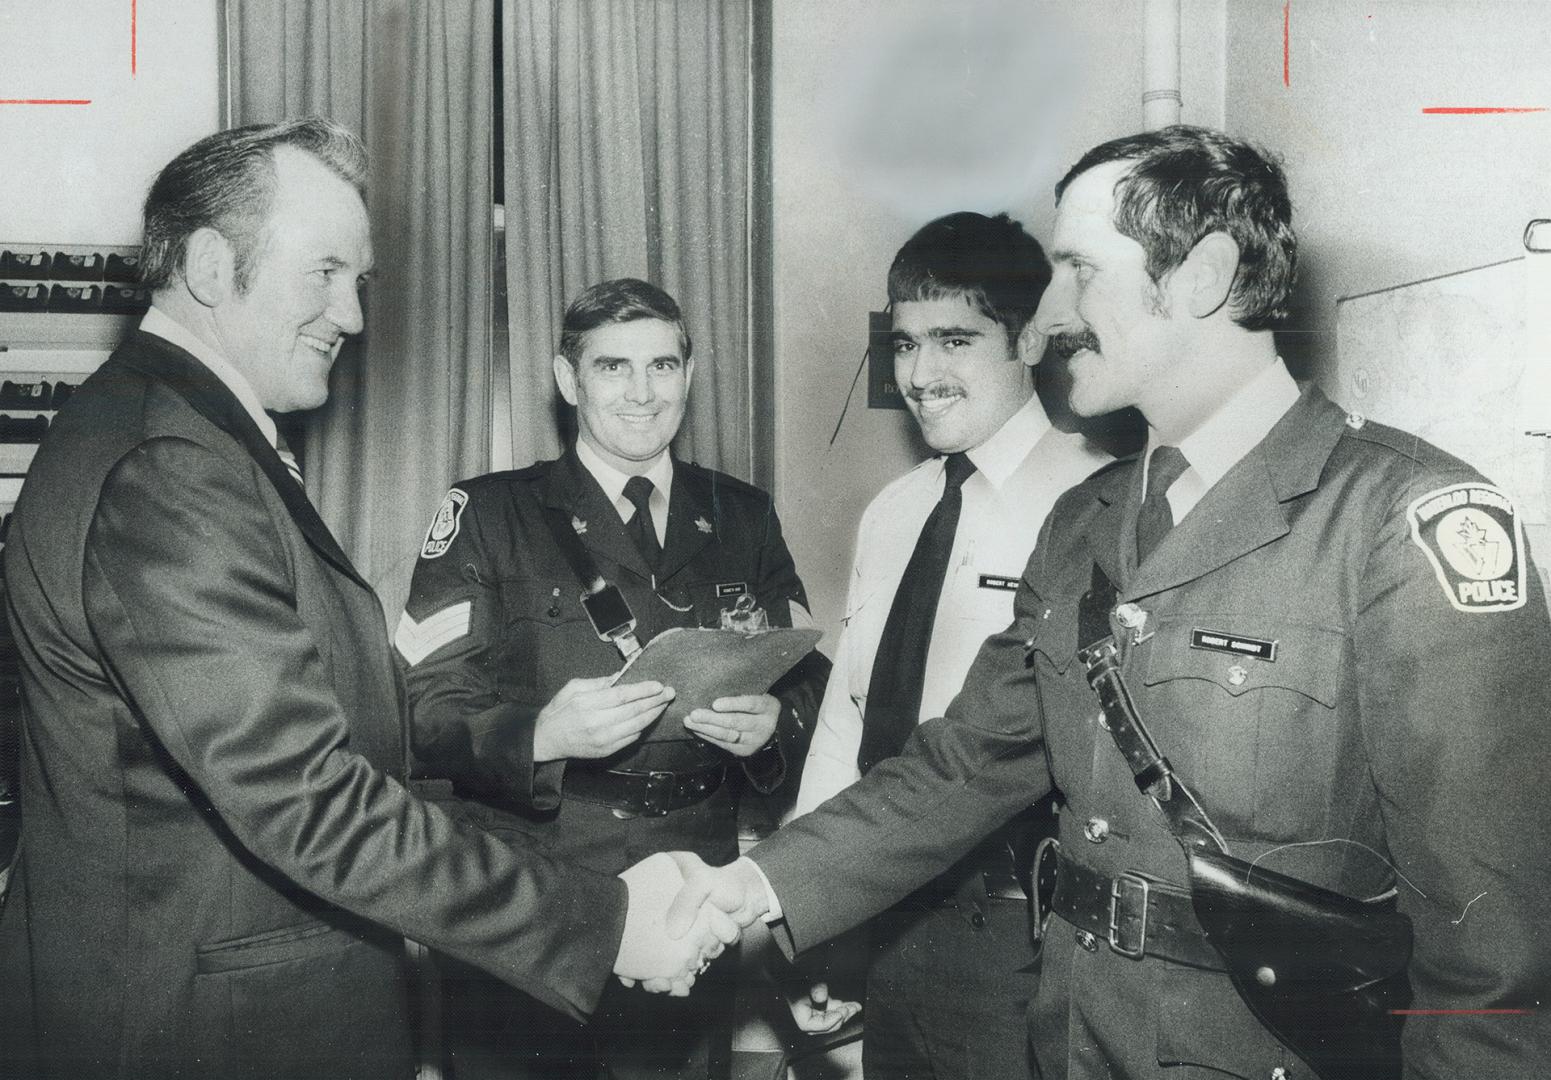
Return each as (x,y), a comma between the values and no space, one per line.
(571,488)
(691,519)
(209,396)
(1243,511)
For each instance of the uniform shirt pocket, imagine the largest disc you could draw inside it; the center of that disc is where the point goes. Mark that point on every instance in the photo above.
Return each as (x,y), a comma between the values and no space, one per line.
(1257,738)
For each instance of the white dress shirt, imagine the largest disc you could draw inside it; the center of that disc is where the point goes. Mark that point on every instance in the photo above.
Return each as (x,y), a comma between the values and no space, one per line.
(1019,473)
(612,481)
(164,326)
(1222,440)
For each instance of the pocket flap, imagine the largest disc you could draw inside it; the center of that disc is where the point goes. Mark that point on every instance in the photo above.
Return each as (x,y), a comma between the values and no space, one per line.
(271,947)
(1231,651)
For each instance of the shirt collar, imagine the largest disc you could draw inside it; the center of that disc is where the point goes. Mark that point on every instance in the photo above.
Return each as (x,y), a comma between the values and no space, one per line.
(1238,425)
(164,326)
(612,480)
(1000,455)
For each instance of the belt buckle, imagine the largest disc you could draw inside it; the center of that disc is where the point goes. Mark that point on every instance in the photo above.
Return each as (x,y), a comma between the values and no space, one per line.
(658,799)
(1116,895)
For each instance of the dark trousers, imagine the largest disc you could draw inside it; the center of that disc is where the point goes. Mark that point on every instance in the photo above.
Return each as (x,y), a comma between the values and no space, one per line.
(496,1033)
(948,991)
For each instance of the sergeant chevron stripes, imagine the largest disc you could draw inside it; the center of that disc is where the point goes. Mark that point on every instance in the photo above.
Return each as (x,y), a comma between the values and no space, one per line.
(417,640)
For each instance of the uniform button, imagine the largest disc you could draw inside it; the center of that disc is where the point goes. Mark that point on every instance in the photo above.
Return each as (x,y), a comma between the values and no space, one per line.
(1103,722)
(1280,1073)
(1087,940)
(977,920)
(1096,830)
(1355,421)
(1265,976)
(1237,675)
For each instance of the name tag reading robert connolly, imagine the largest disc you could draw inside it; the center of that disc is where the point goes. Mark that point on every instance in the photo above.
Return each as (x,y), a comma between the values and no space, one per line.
(1236,644)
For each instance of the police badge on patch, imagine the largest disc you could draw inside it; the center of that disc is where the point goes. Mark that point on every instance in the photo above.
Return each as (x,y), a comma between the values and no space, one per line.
(444,526)
(1475,541)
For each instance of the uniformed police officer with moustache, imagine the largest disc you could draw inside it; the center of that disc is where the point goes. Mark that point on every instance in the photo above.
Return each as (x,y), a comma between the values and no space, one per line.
(938,555)
(509,679)
(1333,630)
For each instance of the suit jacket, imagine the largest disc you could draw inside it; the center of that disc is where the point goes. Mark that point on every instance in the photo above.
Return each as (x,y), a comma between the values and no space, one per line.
(220,853)
(1402,710)
(494,628)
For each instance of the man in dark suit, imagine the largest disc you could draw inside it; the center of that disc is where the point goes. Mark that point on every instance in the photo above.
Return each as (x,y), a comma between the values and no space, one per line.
(1333,630)
(220,854)
(509,678)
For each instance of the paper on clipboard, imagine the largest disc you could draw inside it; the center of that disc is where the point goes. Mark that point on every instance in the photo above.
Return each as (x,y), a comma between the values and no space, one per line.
(703,665)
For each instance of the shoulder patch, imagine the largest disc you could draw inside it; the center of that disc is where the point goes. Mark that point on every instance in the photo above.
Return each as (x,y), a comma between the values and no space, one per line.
(1475,541)
(444,526)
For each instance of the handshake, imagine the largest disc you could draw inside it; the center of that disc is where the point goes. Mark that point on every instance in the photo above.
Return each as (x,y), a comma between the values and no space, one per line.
(682,914)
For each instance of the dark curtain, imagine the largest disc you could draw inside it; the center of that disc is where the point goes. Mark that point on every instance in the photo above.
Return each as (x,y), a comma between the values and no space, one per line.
(409,410)
(627,153)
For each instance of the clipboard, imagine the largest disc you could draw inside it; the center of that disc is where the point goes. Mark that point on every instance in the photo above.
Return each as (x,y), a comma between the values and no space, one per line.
(703,665)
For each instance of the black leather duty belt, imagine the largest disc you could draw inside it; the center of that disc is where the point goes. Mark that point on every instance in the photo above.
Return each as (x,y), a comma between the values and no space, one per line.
(650,794)
(1134,914)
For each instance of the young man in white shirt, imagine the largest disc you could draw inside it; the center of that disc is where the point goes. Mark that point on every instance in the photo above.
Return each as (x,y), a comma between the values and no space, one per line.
(952,967)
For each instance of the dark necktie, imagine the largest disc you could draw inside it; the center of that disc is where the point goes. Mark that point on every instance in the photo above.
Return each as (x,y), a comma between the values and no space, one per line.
(1156,517)
(638,489)
(899,666)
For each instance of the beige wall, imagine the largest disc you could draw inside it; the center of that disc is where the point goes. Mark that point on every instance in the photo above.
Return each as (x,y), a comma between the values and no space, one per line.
(1384,194)
(1060,78)
(76,174)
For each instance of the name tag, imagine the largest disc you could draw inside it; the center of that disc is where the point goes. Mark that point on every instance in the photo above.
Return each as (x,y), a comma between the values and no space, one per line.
(731,588)
(999,581)
(1236,644)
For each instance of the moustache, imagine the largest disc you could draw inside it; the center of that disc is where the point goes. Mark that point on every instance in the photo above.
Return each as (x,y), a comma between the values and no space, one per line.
(1069,344)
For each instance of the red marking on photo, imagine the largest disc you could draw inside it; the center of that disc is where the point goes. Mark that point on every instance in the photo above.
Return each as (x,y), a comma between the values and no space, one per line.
(1478,110)
(134,22)
(1460,1012)
(45,101)
(1287,43)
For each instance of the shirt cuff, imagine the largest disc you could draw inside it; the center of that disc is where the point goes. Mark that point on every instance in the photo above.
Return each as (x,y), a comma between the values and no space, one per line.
(772,902)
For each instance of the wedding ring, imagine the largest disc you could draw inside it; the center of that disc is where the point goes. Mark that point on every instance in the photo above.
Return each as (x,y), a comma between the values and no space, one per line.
(737,736)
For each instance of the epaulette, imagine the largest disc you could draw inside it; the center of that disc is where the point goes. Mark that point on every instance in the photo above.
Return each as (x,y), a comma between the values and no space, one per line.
(1404,443)
(724,480)
(537,471)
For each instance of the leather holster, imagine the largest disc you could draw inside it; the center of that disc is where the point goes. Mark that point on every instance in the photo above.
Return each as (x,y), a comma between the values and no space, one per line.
(1323,972)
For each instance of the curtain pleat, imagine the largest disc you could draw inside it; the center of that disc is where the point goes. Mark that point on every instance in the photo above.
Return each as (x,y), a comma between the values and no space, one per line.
(627,154)
(409,408)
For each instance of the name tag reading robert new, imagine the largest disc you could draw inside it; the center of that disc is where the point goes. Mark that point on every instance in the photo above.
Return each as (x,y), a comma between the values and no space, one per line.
(999,581)
(1234,644)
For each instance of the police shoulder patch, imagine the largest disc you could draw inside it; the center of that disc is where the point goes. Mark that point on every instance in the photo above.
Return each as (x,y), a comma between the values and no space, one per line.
(444,526)
(1475,541)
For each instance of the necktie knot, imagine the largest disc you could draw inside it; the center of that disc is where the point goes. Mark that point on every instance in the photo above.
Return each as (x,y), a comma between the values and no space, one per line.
(956,469)
(638,491)
(641,527)
(1156,518)
(1166,465)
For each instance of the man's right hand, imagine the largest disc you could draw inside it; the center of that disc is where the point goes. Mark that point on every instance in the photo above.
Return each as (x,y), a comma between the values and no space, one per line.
(737,889)
(588,718)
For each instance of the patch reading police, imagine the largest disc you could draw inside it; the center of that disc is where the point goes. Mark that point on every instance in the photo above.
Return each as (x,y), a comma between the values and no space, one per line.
(1475,541)
(444,526)
(999,581)
(1235,644)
